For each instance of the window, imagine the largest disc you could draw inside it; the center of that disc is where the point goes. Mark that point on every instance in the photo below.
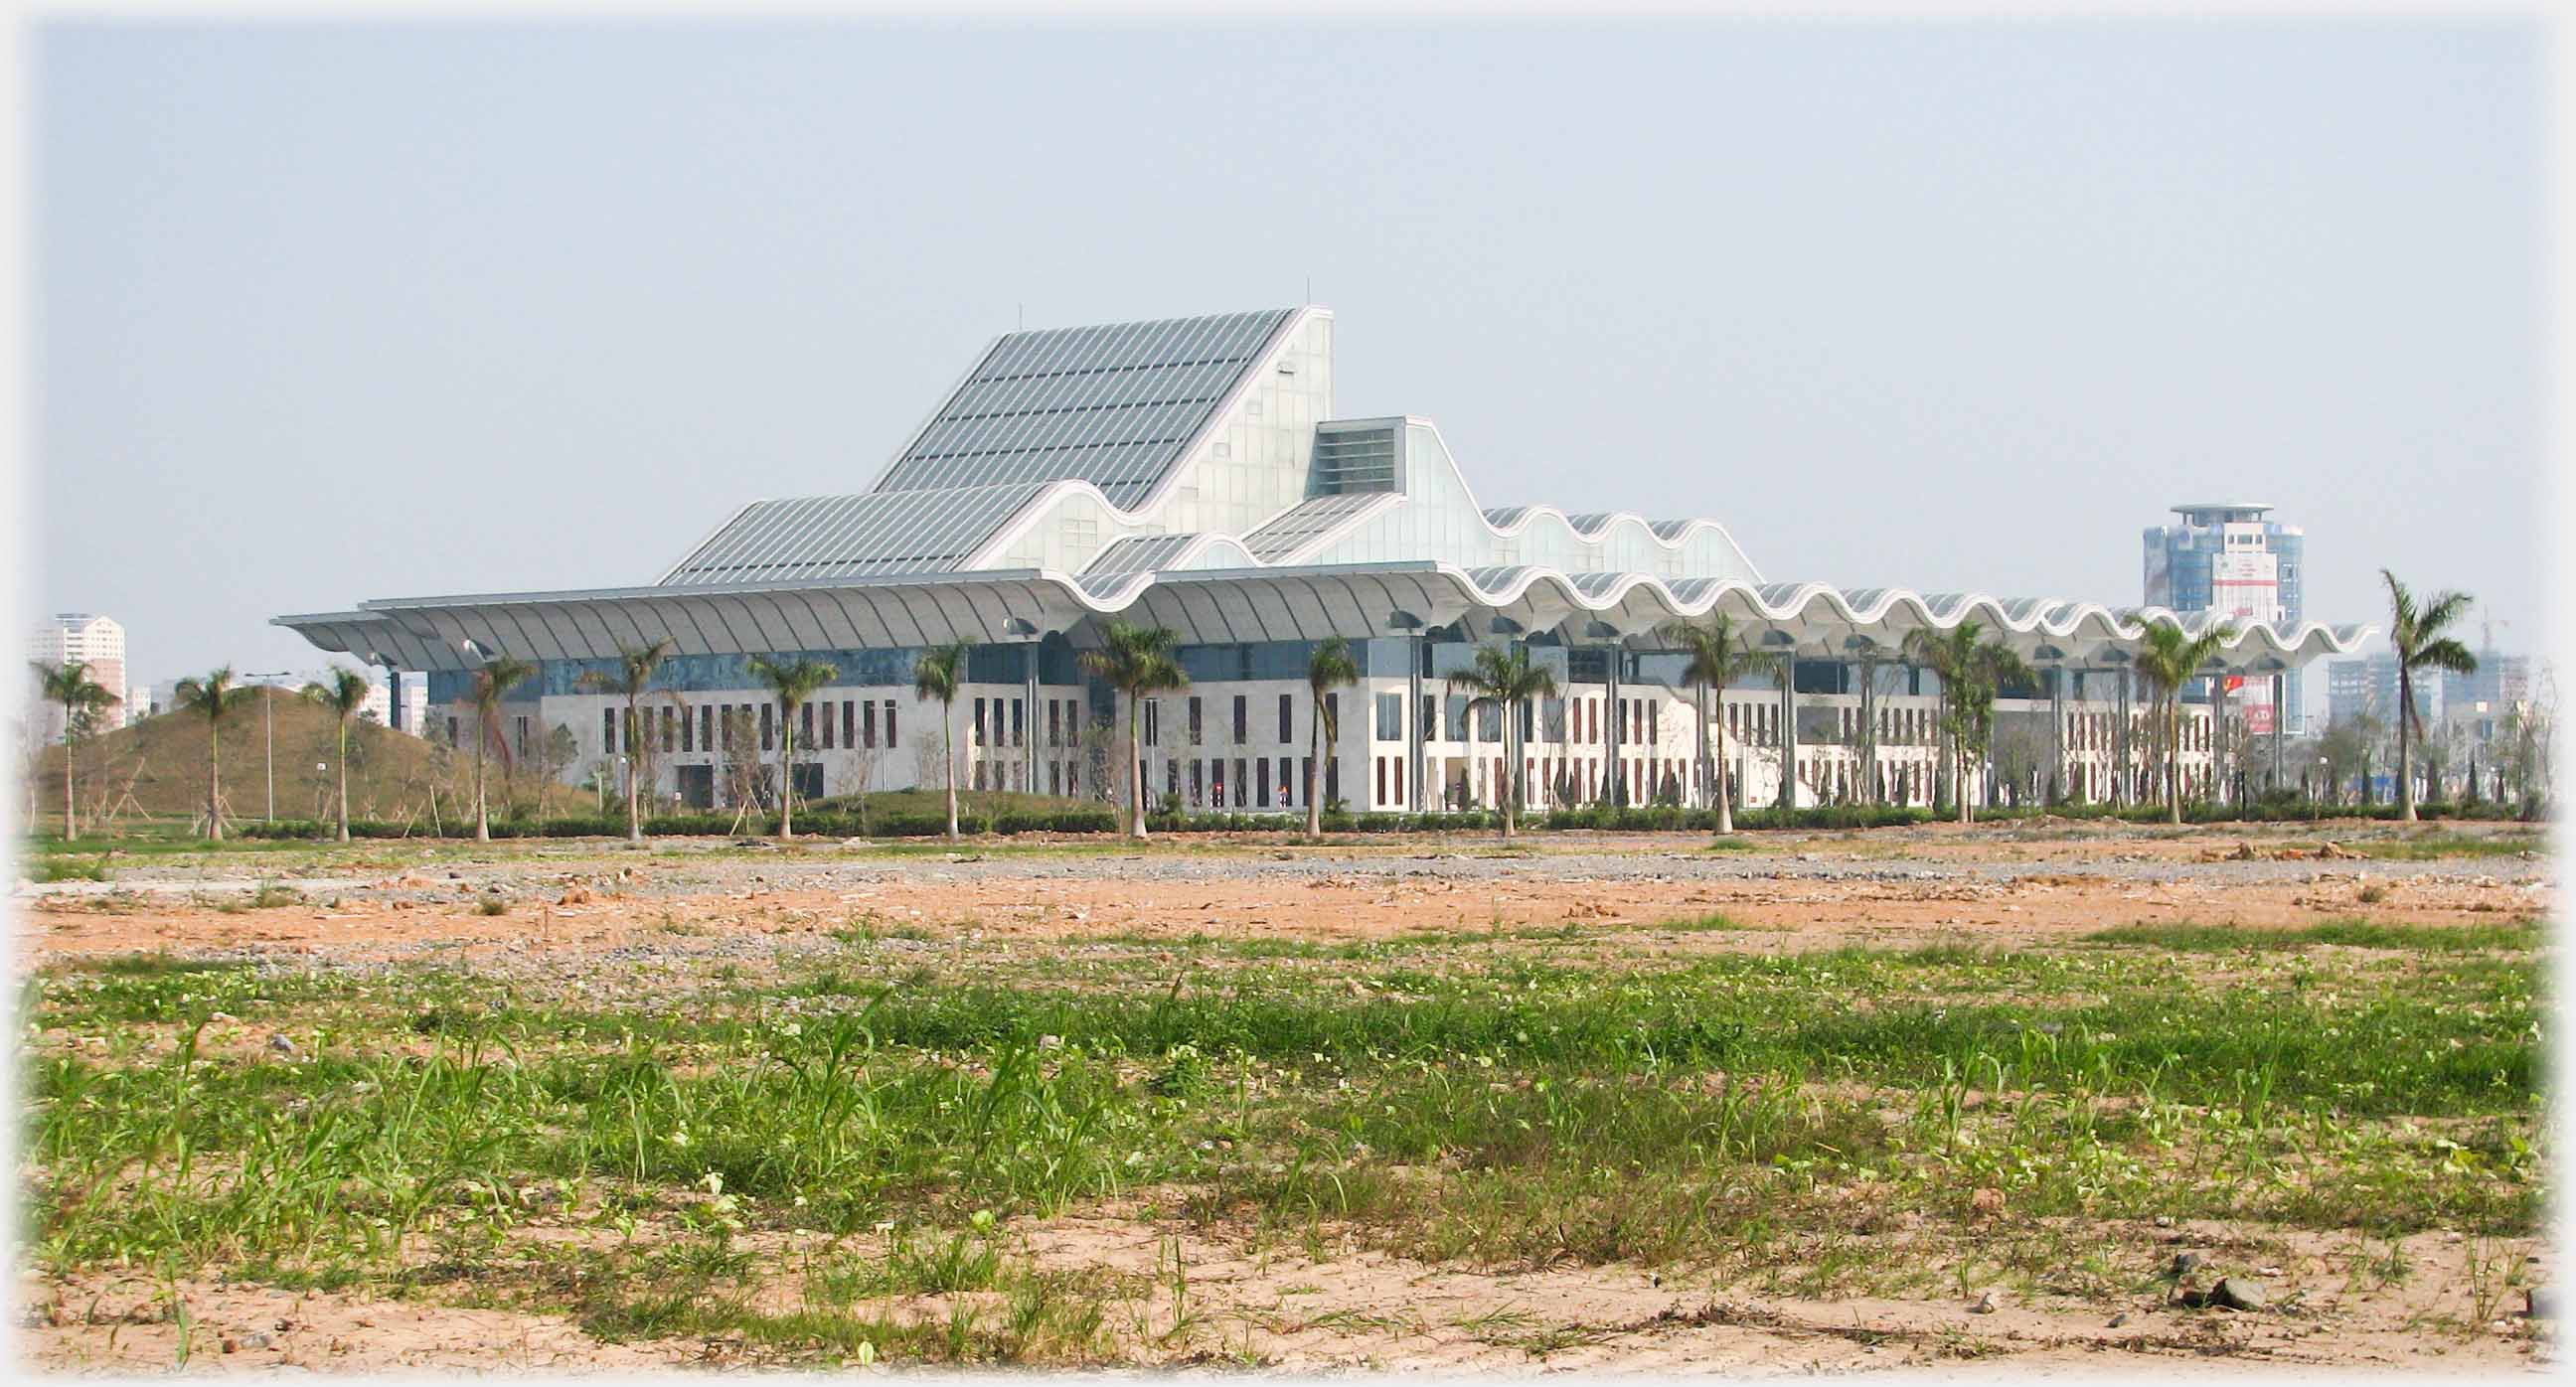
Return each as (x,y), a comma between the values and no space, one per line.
(1242,719)
(1197,731)
(768,734)
(868,728)
(1287,732)
(1333,714)
(1489,721)
(1153,722)
(451,731)
(1261,787)
(1429,717)
(1390,720)
(607,731)
(1019,720)
(521,730)
(1055,723)
(849,717)
(976,736)
(1381,780)
(1454,727)
(1198,780)
(890,733)
(706,727)
(1305,772)
(688,731)
(827,727)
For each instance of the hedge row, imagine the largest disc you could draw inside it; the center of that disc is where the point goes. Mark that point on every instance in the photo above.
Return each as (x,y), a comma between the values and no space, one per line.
(1638,818)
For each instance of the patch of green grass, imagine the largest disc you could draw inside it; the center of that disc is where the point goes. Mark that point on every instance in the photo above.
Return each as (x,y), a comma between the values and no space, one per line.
(2185,937)
(2434,844)
(1732,842)
(65,868)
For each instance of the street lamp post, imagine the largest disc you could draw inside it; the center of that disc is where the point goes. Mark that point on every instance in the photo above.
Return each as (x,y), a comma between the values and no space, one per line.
(268,706)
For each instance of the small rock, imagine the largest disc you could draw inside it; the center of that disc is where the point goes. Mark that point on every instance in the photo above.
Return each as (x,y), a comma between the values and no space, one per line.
(2239,1293)
(1985,1304)
(279,1045)
(232,1345)
(1050,1042)
(2164,1220)
(254,1341)
(2119,1320)
(2184,1264)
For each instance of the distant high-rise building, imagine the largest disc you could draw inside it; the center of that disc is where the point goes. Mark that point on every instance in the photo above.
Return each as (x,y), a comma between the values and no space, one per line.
(2367,687)
(2500,679)
(2226,558)
(100,642)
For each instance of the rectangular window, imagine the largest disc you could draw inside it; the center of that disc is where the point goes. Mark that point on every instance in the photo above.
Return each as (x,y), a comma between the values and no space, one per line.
(1261,787)
(1055,723)
(890,733)
(668,717)
(1153,722)
(1240,788)
(1305,773)
(522,732)
(1453,728)
(868,725)
(607,731)
(1390,718)
(805,723)
(706,727)
(975,734)
(1428,717)
(1198,780)
(827,727)
(1381,782)
(849,722)
(1242,719)
(768,732)
(451,731)
(688,730)
(1197,732)
(1333,715)
(1489,721)
(1019,723)
(1287,726)
(726,726)
(1399,781)
(1332,778)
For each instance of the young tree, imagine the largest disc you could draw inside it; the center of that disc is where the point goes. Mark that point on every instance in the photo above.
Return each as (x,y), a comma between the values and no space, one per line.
(493,680)
(213,697)
(1951,656)
(792,684)
(939,673)
(82,698)
(632,680)
(345,696)
(1715,656)
(1136,661)
(2168,659)
(1331,665)
(1504,676)
(1991,666)
(2416,637)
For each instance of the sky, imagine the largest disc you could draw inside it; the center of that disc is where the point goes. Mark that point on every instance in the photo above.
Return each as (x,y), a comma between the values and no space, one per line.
(326,314)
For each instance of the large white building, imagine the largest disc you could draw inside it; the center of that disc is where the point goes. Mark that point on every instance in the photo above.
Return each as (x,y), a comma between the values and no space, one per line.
(98,640)
(1192,474)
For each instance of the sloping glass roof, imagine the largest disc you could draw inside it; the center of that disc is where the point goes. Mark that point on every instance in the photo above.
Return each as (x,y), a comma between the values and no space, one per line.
(865,536)
(1115,405)
(1308,520)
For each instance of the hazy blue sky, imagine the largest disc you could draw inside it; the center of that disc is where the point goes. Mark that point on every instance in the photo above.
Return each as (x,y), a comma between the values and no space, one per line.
(333,314)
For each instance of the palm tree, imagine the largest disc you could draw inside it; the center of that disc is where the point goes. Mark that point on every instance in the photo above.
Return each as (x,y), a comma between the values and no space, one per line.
(2415,637)
(633,680)
(1504,676)
(214,696)
(939,673)
(346,697)
(793,684)
(493,681)
(1331,665)
(1716,656)
(1137,660)
(2167,659)
(69,684)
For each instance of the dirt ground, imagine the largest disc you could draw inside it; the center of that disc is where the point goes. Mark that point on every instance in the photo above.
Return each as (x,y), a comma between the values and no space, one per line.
(2005,886)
